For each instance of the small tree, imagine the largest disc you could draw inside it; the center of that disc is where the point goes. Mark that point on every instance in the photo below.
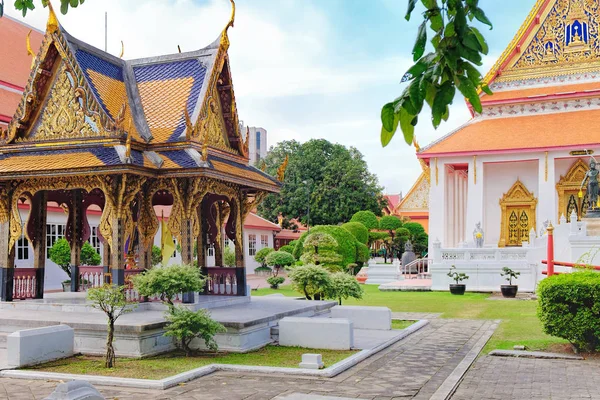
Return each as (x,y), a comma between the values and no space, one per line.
(457,276)
(275,281)
(344,286)
(509,274)
(156,255)
(278,259)
(229,257)
(112,301)
(60,254)
(167,282)
(185,325)
(367,218)
(261,255)
(311,280)
(390,223)
(89,255)
(320,249)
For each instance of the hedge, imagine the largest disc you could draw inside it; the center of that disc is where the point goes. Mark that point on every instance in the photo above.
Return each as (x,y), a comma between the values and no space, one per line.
(346,242)
(569,308)
(358,230)
(367,218)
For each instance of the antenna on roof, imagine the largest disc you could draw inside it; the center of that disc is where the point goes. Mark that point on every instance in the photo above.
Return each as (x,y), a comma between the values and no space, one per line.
(179,48)
(106,31)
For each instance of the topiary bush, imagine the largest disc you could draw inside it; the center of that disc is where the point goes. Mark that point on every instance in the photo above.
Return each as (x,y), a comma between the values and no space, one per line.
(185,325)
(390,223)
(343,286)
(278,259)
(367,218)
(569,308)
(275,281)
(229,257)
(89,255)
(261,256)
(311,280)
(358,230)
(321,249)
(287,248)
(60,254)
(346,242)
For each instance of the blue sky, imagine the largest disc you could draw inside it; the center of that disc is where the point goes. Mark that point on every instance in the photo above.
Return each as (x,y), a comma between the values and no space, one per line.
(301,69)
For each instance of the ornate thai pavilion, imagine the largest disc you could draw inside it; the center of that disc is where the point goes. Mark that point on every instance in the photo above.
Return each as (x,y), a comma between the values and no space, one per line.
(92,128)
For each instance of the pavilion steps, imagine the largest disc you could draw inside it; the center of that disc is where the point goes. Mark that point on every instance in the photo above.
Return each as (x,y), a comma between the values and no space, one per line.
(3,339)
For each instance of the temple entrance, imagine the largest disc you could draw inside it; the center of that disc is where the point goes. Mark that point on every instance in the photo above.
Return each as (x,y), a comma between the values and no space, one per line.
(568,188)
(518,215)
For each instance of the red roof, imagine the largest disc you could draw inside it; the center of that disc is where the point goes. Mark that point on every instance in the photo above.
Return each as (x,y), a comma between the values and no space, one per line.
(253,221)
(289,234)
(393,200)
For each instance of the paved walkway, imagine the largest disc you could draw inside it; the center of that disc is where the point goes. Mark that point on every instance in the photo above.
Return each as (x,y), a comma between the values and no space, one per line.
(509,378)
(412,368)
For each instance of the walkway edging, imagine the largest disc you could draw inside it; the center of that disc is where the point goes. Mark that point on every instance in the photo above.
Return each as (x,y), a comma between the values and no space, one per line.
(449,386)
(187,376)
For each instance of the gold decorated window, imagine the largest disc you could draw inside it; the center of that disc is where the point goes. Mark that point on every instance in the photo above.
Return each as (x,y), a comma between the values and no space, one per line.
(518,215)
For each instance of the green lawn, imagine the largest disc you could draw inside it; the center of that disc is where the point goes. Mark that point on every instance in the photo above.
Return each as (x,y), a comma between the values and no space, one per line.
(170,364)
(520,324)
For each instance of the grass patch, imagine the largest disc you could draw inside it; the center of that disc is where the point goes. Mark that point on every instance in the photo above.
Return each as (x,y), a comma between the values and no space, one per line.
(519,325)
(169,364)
(401,324)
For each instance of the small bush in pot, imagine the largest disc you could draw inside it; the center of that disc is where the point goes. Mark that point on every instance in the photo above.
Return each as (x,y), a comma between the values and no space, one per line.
(457,277)
(275,281)
(509,290)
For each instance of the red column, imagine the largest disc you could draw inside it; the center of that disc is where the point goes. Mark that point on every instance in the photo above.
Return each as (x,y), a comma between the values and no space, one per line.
(550,250)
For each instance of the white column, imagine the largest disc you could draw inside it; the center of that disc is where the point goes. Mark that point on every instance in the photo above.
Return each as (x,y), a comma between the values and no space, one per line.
(437,202)
(450,190)
(547,197)
(474,203)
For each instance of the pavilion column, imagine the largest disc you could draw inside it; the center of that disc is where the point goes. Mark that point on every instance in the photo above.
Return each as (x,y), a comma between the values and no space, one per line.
(547,208)
(105,256)
(475,211)
(240,268)
(6,256)
(218,243)
(76,222)
(38,217)
(187,250)
(117,250)
(437,201)
(200,246)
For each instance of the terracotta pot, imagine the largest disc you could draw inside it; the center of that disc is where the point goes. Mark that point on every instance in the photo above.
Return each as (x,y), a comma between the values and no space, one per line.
(457,289)
(509,291)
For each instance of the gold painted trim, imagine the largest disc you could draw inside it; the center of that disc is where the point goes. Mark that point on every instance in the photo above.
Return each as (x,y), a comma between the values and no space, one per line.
(517,196)
(569,183)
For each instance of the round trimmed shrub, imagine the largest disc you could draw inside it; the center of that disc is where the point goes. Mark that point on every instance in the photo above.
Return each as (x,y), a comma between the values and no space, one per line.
(261,255)
(279,259)
(390,223)
(287,248)
(344,286)
(358,230)
(569,308)
(363,253)
(311,280)
(346,242)
(367,218)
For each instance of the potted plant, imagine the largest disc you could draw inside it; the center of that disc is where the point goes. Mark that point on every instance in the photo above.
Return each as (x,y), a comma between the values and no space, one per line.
(275,281)
(509,290)
(457,288)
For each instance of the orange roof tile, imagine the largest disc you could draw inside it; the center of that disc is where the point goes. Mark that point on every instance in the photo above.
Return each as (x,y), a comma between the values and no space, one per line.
(8,102)
(521,133)
(15,64)
(256,222)
(230,169)
(46,162)
(539,92)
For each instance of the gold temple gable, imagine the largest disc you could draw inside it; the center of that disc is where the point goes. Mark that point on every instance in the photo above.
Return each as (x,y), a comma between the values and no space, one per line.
(567,189)
(517,215)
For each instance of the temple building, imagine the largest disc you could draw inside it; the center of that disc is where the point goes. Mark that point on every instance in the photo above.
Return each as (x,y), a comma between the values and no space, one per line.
(93,133)
(519,165)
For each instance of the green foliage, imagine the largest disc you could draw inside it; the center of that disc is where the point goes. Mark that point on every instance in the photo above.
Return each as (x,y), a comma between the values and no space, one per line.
(261,255)
(185,325)
(60,254)
(346,242)
(292,243)
(275,281)
(89,255)
(375,236)
(156,255)
(509,274)
(457,276)
(262,269)
(390,223)
(358,230)
(569,308)
(338,183)
(418,236)
(26,5)
(458,48)
(403,233)
(279,259)
(367,218)
(343,286)
(311,280)
(288,248)
(229,257)
(363,253)
(168,281)
(321,249)
(112,301)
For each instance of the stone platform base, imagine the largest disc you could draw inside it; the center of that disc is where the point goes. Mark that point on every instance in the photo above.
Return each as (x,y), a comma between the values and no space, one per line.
(140,333)
(592,226)
(382,273)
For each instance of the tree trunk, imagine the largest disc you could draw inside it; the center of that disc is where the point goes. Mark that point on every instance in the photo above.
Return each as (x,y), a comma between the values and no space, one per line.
(306,295)
(340,301)
(110,350)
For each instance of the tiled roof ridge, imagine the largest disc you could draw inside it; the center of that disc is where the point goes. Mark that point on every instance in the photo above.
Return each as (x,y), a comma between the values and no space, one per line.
(135,103)
(266,220)
(91,49)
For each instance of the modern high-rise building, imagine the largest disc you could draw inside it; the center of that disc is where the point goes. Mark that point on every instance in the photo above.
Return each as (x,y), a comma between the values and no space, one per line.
(258,142)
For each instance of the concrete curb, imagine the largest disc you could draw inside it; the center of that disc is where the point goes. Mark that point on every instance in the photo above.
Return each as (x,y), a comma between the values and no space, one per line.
(534,354)
(449,386)
(187,376)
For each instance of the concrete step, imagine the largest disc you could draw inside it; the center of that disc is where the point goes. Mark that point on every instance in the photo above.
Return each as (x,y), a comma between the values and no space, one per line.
(3,336)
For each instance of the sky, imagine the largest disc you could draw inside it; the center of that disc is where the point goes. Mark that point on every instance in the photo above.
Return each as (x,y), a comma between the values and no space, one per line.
(301,69)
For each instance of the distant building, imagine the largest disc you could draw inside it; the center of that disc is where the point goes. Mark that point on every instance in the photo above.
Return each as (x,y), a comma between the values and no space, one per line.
(258,142)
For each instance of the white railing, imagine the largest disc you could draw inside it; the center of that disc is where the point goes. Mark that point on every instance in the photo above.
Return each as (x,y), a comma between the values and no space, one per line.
(448,256)
(420,265)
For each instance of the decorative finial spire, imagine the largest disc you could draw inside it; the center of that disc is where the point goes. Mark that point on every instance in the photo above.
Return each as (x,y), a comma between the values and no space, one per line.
(52,24)
(416,144)
(224,37)
(122,49)
(282,168)
(29,50)
(128,142)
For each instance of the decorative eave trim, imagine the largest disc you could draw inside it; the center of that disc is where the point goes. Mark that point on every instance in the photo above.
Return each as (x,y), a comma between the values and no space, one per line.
(506,151)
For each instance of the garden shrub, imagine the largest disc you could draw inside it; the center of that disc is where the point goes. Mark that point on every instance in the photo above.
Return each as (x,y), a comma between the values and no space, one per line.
(321,249)
(390,223)
(363,253)
(229,257)
(60,254)
(346,242)
(185,325)
(569,308)
(367,218)
(169,281)
(311,280)
(261,255)
(156,255)
(275,281)
(278,259)
(343,286)
(358,230)
(287,248)
(89,255)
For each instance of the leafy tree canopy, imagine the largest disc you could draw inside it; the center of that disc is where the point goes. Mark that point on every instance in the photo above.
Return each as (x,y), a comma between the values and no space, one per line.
(358,230)
(390,223)
(367,218)
(89,255)
(338,183)
(26,5)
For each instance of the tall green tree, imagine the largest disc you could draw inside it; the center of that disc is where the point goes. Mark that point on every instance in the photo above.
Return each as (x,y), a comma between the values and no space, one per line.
(458,47)
(334,178)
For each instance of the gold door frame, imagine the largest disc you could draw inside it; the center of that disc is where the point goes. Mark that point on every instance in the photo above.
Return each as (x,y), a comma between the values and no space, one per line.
(517,197)
(569,184)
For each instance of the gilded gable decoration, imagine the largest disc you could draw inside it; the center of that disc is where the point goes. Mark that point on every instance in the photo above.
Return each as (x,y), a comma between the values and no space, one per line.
(517,215)
(568,188)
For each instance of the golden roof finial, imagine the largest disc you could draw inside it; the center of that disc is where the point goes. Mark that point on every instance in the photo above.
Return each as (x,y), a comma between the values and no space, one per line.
(224,37)
(52,24)
(122,49)
(281,169)
(416,144)
(189,131)
(128,142)
(29,50)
